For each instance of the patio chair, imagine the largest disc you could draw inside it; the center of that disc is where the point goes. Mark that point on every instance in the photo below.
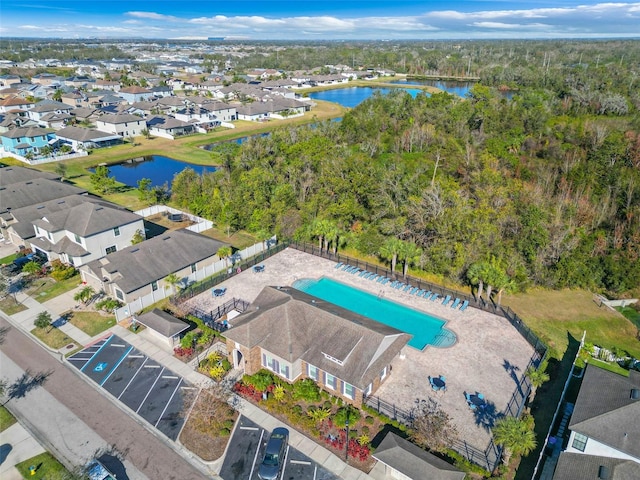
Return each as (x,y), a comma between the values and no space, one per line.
(380,279)
(480,396)
(354,271)
(464,305)
(446,300)
(386,280)
(406,289)
(345,267)
(373,277)
(434,297)
(473,406)
(339,264)
(442,377)
(426,294)
(455,303)
(362,273)
(413,291)
(467,397)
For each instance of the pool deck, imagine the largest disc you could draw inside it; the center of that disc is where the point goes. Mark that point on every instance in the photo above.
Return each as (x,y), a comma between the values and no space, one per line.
(489,357)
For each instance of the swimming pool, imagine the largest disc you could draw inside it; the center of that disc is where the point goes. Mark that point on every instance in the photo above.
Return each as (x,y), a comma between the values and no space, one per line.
(425,329)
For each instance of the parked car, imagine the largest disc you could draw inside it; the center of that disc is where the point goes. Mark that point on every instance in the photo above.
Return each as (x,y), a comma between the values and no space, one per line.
(97,471)
(274,454)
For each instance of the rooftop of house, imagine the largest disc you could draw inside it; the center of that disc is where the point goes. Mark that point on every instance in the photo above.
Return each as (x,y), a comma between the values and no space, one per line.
(608,409)
(81,134)
(87,219)
(30,192)
(414,462)
(162,322)
(577,466)
(294,325)
(15,174)
(119,118)
(28,132)
(138,265)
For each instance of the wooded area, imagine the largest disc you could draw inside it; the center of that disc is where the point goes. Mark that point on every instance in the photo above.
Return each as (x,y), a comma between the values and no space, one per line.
(545,187)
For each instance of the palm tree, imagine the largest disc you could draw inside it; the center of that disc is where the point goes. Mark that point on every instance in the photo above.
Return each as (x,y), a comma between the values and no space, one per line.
(172,280)
(515,435)
(477,274)
(390,250)
(409,254)
(84,295)
(331,235)
(225,253)
(319,228)
(537,377)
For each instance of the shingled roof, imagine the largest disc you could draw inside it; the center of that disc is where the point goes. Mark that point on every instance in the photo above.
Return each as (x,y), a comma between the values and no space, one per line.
(162,322)
(12,174)
(577,466)
(294,325)
(412,461)
(22,194)
(606,410)
(139,265)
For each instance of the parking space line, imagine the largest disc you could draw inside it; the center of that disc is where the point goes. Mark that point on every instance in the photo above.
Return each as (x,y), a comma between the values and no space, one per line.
(255,457)
(96,353)
(170,377)
(152,366)
(116,366)
(169,401)
(255,429)
(315,472)
(149,392)
(119,345)
(132,378)
(300,462)
(286,455)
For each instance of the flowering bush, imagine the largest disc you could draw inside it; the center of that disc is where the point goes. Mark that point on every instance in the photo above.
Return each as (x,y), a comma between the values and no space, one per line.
(248,391)
(183,352)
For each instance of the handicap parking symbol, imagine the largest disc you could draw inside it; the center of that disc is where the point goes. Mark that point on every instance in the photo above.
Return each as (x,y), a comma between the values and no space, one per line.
(100,367)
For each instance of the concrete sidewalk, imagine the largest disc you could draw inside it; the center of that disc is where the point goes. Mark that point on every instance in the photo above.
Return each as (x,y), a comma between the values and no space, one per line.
(18,445)
(63,303)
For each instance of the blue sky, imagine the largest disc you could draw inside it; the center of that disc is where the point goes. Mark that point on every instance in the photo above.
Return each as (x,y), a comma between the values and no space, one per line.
(320,19)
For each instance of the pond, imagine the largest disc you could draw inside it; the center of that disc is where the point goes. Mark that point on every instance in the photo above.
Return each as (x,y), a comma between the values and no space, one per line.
(155,167)
(451,86)
(353,96)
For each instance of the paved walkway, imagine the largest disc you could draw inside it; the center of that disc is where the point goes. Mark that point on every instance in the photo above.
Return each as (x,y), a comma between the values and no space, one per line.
(63,303)
(16,446)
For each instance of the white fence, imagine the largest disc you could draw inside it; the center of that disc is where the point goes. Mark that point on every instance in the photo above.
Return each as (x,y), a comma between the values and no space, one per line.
(37,161)
(198,275)
(201,224)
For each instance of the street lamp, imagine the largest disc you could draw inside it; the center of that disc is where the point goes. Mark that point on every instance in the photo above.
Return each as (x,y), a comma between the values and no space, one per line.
(346,424)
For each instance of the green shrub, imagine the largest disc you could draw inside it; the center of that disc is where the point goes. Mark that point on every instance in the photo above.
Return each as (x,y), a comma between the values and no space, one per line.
(365,430)
(328,405)
(260,380)
(228,424)
(369,419)
(224,432)
(340,418)
(465,465)
(306,389)
(63,273)
(189,339)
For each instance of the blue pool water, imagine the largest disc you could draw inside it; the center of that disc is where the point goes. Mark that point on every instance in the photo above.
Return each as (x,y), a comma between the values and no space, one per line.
(426,330)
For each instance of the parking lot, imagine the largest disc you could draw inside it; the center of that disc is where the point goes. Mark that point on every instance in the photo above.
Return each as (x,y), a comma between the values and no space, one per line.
(150,390)
(243,460)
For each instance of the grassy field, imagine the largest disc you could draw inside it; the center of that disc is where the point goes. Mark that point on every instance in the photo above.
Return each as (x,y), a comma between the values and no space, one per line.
(52,337)
(6,419)
(44,289)
(91,323)
(8,258)
(632,314)
(239,240)
(47,467)
(9,306)
(553,315)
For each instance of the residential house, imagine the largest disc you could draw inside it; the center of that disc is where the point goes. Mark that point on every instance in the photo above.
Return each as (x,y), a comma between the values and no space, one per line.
(12,104)
(7,81)
(141,269)
(162,91)
(170,103)
(135,94)
(30,90)
(45,107)
(605,429)
(276,108)
(168,127)
(80,138)
(26,140)
(197,115)
(55,121)
(86,232)
(399,458)
(107,85)
(12,120)
(163,326)
(83,81)
(122,124)
(47,79)
(296,335)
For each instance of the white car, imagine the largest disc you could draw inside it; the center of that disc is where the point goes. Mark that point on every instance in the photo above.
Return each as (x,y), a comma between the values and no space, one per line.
(97,471)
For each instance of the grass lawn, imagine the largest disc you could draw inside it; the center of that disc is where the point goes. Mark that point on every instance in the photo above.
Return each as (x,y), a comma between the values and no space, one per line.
(47,467)
(6,419)
(91,323)
(43,289)
(239,240)
(9,306)
(612,367)
(53,337)
(631,313)
(552,315)
(8,258)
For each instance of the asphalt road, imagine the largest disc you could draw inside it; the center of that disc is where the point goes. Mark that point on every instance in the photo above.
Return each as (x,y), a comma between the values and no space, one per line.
(151,455)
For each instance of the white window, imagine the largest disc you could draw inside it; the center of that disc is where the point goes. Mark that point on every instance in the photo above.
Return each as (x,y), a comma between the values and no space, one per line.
(579,441)
(383,374)
(348,390)
(37,229)
(193,268)
(154,286)
(49,236)
(116,231)
(77,238)
(110,249)
(312,372)
(330,381)
(119,295)
(368,390)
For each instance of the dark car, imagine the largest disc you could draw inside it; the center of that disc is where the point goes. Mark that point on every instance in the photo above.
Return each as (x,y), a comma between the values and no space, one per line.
(274,454)
(97,471)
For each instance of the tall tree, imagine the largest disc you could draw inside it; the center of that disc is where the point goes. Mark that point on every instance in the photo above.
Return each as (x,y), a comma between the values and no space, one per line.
(537,377)
(172,280)
(390,250)
(432,427)
(515,435)
(409,254)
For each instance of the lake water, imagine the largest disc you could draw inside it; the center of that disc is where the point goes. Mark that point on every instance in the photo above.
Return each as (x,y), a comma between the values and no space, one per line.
(156,167)
(456,88)
(353,96)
